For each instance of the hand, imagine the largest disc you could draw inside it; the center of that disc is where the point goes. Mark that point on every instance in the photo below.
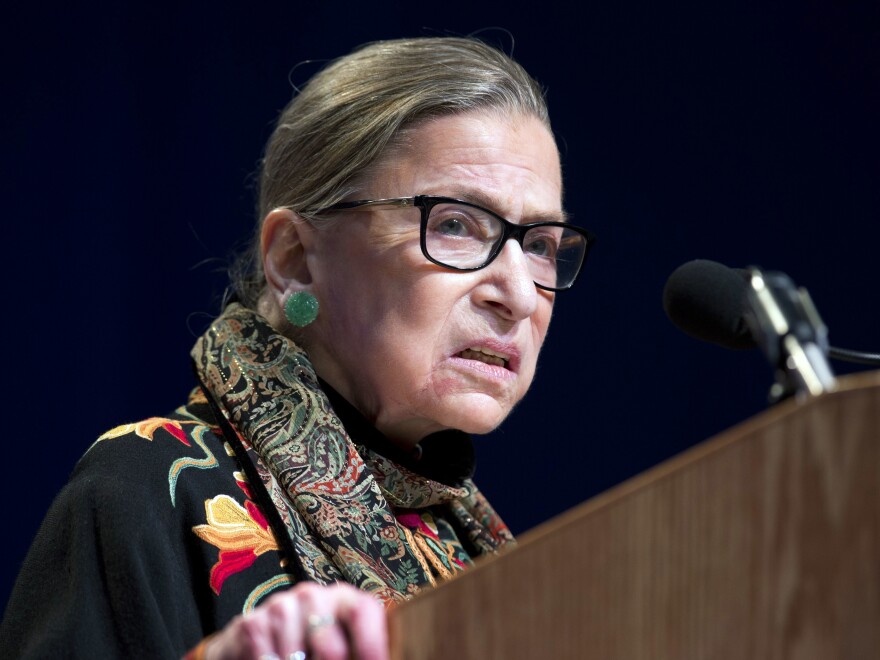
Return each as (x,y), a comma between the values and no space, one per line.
(326,623)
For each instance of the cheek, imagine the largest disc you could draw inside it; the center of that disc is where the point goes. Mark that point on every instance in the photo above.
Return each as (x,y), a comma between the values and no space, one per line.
(343,309)
(541,321)
(418,330)
(419,333)
(539,325)
(400,329)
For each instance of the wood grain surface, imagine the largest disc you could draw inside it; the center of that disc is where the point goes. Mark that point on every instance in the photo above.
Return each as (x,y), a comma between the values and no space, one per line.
(763,542)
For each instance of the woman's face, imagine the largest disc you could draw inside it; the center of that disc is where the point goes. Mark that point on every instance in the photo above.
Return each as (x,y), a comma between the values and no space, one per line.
(405,340)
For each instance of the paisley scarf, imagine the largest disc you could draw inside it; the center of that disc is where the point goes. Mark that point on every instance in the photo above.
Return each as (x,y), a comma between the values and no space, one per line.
(350,513)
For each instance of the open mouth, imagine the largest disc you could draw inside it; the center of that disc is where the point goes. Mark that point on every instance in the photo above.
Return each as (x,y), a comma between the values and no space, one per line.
(486,355)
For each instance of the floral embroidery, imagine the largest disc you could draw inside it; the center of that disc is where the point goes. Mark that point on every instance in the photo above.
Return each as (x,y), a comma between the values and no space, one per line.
(209,461)
(242,483)
(241,533)
(148,427)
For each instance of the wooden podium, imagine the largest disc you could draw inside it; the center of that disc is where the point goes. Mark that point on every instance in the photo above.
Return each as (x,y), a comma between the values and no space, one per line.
(763,542)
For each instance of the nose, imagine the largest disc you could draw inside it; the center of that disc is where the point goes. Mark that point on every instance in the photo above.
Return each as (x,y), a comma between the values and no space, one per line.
(508,288)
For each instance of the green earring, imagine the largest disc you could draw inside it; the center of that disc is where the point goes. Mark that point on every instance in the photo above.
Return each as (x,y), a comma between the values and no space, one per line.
(301,308)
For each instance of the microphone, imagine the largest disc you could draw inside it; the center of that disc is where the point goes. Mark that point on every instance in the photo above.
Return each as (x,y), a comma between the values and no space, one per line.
(743,308)
(707,301)
(786,325)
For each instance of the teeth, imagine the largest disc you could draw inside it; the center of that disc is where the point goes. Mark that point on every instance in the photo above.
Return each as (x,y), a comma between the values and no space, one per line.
(489,351)
(484,355)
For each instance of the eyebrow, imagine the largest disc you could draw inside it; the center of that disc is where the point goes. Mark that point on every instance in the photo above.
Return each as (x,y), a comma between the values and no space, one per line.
(482,198)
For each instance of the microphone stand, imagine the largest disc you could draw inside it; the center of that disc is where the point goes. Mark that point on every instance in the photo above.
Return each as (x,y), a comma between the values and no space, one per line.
(786,325)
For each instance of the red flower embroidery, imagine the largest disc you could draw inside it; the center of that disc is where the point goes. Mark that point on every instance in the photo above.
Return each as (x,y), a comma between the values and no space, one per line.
(241,533)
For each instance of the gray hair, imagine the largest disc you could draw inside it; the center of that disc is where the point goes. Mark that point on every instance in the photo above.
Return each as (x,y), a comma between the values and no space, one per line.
(357,110)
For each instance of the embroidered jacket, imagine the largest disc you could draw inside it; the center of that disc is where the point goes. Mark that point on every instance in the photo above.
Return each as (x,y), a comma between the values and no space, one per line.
(170,527)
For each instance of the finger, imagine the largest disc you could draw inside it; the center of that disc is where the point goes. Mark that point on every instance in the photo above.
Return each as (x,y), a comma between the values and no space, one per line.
(285,613)
(246,636)
(326,638)
(364,618)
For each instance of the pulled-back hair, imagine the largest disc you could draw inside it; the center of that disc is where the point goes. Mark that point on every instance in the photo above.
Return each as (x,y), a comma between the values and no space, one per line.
(357,109)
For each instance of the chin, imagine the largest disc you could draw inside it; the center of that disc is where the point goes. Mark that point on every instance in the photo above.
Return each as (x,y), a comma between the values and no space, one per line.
(477,414)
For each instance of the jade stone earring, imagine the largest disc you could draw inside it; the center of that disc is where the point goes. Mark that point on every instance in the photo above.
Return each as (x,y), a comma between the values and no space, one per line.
(301,308)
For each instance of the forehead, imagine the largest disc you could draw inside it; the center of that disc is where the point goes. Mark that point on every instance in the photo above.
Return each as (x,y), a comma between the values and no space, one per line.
(509,164)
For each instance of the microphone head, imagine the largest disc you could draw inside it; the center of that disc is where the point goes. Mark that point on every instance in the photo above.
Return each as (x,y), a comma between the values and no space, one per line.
(707,300)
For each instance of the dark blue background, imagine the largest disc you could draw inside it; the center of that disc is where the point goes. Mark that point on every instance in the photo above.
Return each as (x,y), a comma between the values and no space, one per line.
(744,132)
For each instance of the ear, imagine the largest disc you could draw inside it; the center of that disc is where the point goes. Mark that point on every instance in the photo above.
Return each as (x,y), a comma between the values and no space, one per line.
(285,241)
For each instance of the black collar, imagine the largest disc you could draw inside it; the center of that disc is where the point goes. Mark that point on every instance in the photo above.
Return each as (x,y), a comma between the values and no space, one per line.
(445,456)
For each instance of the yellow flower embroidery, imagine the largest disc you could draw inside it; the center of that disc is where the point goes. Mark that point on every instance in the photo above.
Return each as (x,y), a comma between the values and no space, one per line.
(241,533)
(148,427)
(232,527)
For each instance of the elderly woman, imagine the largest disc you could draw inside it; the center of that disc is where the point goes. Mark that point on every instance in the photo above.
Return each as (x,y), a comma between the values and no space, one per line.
(411,242)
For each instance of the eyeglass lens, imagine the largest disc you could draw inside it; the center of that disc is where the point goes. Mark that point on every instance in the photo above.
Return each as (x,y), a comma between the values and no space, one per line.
(465,237)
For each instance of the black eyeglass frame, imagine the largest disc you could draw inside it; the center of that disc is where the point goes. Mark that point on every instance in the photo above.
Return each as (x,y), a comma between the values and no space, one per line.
(509,229)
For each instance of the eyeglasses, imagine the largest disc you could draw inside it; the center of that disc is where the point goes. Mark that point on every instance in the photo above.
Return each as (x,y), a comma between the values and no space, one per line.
(459,235)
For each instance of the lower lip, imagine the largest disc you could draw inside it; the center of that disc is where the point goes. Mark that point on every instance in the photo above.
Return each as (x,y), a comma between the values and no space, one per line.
(487,370)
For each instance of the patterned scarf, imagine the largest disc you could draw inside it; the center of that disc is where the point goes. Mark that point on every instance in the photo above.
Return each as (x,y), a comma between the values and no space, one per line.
(351,514)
